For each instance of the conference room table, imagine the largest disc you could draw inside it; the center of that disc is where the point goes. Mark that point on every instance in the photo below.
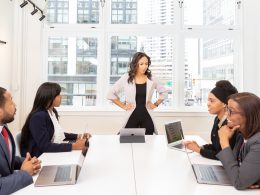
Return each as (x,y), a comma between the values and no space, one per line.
(149,168)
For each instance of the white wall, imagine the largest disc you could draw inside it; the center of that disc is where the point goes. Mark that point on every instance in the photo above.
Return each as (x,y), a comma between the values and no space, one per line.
(6,34)
(110,122)
(32,68)
(21,69)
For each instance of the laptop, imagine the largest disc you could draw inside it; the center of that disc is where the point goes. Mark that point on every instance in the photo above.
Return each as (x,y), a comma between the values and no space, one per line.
(175,136)
(210,174)
(132,135)
(54,175)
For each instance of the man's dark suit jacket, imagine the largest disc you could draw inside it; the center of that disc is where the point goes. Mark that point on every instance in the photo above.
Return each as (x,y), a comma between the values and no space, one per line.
(40,136)
(10,180)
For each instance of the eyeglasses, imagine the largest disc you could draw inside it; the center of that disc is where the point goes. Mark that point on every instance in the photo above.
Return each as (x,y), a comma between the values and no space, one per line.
(232,112)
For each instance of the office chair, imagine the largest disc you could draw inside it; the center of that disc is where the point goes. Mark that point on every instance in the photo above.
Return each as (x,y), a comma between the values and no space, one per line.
(17,143)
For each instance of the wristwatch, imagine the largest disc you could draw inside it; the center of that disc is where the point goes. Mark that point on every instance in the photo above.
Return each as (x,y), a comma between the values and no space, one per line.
(156,104)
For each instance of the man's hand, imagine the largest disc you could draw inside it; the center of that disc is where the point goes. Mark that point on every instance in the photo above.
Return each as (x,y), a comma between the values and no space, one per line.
(31,165)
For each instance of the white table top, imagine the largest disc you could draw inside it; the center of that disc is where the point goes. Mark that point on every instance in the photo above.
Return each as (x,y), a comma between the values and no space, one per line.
(107,169)
(149,168)
(161,170)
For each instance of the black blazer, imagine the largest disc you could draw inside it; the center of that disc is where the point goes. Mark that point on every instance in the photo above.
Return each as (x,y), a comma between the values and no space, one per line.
(41,133)
(210,150)
(11,181)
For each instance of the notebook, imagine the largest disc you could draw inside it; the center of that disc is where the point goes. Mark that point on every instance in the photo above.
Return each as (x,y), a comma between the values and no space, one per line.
(175,136)
(53,175)
(210,174)
(132,135)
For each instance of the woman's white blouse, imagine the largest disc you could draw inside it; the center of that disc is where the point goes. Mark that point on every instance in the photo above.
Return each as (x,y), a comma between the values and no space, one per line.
(58,135)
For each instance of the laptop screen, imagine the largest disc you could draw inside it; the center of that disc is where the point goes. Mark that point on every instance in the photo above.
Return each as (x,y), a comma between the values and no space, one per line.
(174,132)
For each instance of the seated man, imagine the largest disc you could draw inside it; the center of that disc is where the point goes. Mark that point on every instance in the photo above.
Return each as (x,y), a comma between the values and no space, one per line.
(11,180)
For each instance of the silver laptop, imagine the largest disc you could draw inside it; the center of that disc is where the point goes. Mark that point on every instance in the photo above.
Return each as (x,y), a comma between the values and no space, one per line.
(175,136)
(132,135)
(210,174)
(53,175)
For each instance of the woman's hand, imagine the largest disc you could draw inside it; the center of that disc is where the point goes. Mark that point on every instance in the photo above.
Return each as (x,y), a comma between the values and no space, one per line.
(79,144)
(225,133)
(87,136)
(128,106)
(192,145)
(150,105)
(84,136)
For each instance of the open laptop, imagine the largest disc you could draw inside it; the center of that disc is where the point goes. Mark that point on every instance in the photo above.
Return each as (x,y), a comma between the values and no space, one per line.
(53,175)
(175,136)
(210,174)
(132,135)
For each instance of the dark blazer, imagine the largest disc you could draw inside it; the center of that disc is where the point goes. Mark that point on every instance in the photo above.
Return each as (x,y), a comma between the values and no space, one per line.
(248,172)
(11,181)
(210,150)
(40,136)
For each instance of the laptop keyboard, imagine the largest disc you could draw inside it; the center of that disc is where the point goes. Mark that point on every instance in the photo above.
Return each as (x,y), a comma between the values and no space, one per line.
(63,174)
(179,146)
(207,174)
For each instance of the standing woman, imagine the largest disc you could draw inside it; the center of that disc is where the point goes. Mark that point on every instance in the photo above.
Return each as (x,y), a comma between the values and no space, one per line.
(42,131)
(243,163)
(217,102)
(138,86)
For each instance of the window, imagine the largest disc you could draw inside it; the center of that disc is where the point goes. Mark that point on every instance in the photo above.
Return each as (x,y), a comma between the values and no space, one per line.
(58,11)
(74,69)
(209,12)
(206,62)
(88,11)
(58,56)
(123,48)
(192,44)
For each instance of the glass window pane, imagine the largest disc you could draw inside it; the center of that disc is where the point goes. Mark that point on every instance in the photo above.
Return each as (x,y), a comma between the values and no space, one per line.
(57,11)
(88,11)
(74,70)
(87,56)
(206,61)
(76,11)
(160,49)
(209,12)
(57,59)
(142,12)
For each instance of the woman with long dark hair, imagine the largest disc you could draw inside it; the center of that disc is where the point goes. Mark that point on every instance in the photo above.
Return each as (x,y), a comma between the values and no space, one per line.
(42,131)
(243,163)
(138,85)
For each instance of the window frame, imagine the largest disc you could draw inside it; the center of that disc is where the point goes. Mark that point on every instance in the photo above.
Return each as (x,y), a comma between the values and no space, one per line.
(104,30)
